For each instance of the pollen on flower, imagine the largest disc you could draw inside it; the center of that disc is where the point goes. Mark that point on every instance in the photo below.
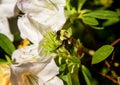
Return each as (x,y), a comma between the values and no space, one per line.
(30,79)
(24,43)
(4,74)
(50,6)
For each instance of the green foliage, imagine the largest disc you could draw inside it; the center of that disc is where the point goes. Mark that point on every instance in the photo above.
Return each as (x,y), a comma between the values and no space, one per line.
(89,20)
(2,61)
(87,75)
(80,4)
(53,42)
(118,79)
(102,14)
(67,79)
(8,59)
(6,44)
(102,53)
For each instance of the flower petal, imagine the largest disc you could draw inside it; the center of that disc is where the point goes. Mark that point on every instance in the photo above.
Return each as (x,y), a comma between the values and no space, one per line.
(54,81)
(28,30)
(49,71)
(4,28)
(25,54)
(30,6)
(7,8)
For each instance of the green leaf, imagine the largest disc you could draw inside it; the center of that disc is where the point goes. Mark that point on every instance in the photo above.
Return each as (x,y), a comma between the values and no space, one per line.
(6,44)
(80,4)
(75,77)
(118,79)
(87,75)
(8,59)
(67,79)
(98,28)
(89,20)
(2,61)
(62,67)
(102,14)
(102,53)
(111,21)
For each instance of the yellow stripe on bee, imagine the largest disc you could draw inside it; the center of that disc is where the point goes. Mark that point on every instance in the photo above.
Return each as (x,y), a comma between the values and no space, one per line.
(24,43)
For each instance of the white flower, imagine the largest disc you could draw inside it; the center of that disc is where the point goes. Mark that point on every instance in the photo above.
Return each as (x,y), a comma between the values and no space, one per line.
(34,67)
(42,72)
(46,12)
(4,28)
(7,8)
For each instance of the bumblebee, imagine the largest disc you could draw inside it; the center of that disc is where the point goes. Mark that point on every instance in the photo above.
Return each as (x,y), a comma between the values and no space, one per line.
(66,39)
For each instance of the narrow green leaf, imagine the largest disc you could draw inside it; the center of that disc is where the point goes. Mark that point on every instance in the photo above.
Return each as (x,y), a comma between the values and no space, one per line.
(75,77)
(6,44)
(87,75)
(62,67)
(89,20)
(67,79)
(102,53)
(111,21)
(86,70)
(98,28)
(102,14)
(80,4)
(8,59)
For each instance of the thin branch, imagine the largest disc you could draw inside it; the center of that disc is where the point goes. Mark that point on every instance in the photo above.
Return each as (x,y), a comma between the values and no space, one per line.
(109,68)
(109,77)
(115,42)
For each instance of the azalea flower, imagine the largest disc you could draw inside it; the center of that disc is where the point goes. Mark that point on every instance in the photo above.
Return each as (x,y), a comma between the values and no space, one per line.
(46,12)
(33,67)
(4,74)
(42,72)
(4,28)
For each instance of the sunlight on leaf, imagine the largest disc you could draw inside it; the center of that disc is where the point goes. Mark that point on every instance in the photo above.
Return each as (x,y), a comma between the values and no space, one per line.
(86,74)
(6,44)
(89,20)
(102,14)
(67,78)
(102,53)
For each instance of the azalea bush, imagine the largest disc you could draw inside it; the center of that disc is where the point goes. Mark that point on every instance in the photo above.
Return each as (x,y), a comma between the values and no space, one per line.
(59,42)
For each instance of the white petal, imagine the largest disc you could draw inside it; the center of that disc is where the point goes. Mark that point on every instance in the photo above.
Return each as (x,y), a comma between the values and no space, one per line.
(34,6)
(25,54)
(4,28)
(54,81)
(49,71)
(28,30)
(59,2)
(54,20)
(7,8)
